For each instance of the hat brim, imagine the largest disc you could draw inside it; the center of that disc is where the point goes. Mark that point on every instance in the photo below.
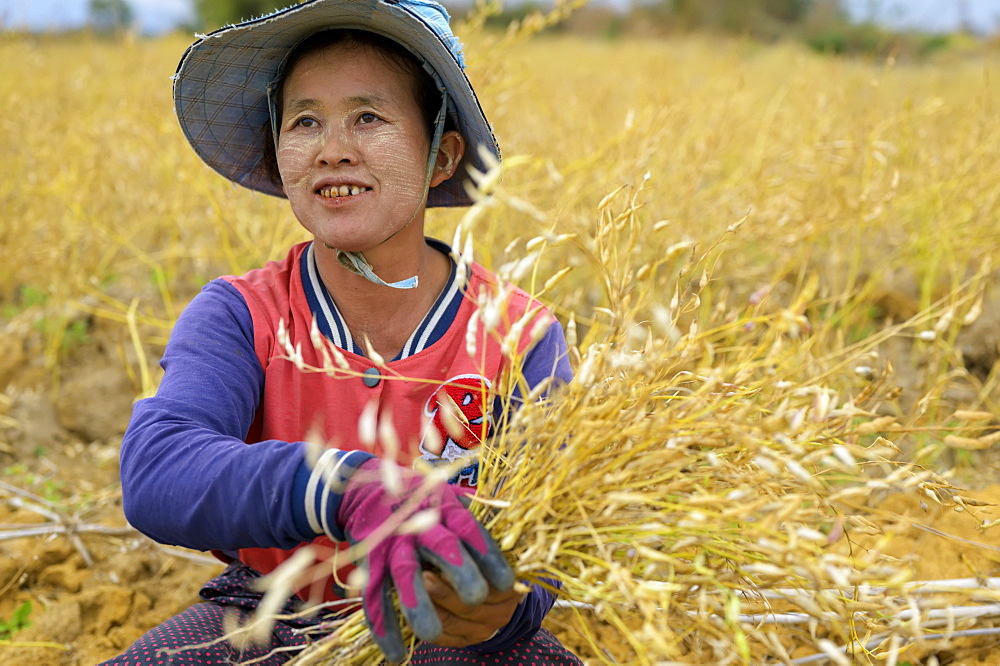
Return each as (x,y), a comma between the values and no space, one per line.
(220,88)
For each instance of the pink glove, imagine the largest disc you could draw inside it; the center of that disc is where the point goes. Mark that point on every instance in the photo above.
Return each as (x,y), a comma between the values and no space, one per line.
(457,546)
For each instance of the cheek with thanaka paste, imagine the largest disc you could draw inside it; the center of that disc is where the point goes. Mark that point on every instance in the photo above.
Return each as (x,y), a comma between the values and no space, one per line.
(294,155)
(399,168)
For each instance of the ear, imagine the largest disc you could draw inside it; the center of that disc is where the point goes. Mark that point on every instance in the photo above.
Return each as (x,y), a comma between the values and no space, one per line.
(449,155)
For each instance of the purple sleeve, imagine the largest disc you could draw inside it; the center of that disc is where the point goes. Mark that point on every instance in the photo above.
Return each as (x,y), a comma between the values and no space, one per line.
(188,478)
(525,622)
(549,358)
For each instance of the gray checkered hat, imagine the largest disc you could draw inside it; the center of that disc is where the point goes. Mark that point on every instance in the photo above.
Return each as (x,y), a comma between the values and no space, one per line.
(220,88)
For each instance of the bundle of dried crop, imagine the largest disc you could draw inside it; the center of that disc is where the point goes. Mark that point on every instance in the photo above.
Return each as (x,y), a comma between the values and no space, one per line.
(684,486)
(671,503)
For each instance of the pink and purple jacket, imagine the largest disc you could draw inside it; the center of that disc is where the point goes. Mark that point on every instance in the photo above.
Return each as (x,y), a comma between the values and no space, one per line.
(189,477)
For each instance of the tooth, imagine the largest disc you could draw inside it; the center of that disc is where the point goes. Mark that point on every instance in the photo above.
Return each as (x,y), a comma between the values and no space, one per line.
(355,190)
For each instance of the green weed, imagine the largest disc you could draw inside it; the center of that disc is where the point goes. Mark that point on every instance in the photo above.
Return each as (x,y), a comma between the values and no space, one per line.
(18,621)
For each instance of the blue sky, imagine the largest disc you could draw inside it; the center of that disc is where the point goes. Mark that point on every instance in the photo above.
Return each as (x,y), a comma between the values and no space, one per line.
(159,15)
(943,15)
(151,15)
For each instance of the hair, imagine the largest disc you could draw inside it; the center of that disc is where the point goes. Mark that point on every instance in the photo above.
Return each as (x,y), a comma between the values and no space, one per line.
(425,90)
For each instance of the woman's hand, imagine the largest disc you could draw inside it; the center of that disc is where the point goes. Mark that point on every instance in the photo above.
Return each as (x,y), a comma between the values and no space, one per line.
(396,552)
(463,625)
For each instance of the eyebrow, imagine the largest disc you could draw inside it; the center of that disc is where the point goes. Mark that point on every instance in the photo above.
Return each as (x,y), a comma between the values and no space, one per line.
(297,105)
(366,100)
(294,106)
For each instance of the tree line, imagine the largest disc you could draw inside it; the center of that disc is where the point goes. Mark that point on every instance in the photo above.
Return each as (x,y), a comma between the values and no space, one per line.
(822,24)
(693,14)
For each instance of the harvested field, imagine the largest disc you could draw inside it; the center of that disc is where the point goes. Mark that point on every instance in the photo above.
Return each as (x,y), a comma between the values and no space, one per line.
(782,296)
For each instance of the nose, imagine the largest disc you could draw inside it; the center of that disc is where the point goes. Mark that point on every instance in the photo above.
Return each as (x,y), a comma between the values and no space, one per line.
(339,148)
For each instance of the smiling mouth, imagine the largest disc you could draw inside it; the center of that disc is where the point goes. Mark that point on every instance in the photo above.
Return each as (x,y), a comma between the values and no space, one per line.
(342,191)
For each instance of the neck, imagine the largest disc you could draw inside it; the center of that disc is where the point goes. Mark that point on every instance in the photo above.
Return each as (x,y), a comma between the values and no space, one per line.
(386,317)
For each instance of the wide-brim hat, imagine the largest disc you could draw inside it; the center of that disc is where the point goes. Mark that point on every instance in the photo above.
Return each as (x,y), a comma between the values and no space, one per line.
(220,88)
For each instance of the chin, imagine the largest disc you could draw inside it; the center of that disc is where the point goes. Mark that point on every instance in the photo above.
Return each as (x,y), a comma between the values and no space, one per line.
(343,245)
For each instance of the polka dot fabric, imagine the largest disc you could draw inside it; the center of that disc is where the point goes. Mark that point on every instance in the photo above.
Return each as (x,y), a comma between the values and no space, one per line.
(172,642)
(193,636)
(542,649)
(229,593)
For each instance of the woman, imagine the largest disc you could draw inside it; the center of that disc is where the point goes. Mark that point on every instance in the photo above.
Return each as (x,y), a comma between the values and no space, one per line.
(368,119)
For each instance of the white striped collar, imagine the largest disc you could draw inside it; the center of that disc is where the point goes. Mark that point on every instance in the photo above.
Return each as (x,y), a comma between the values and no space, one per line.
(332,325)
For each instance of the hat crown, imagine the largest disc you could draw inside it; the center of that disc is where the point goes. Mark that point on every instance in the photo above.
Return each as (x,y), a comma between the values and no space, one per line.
(220,89)
(436,17)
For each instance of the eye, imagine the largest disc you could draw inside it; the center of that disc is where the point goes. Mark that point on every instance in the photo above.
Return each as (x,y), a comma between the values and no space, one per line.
(367,118)
(307,122)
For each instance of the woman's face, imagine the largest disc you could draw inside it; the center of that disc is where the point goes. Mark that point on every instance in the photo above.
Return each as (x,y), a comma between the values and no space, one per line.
(353,147)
